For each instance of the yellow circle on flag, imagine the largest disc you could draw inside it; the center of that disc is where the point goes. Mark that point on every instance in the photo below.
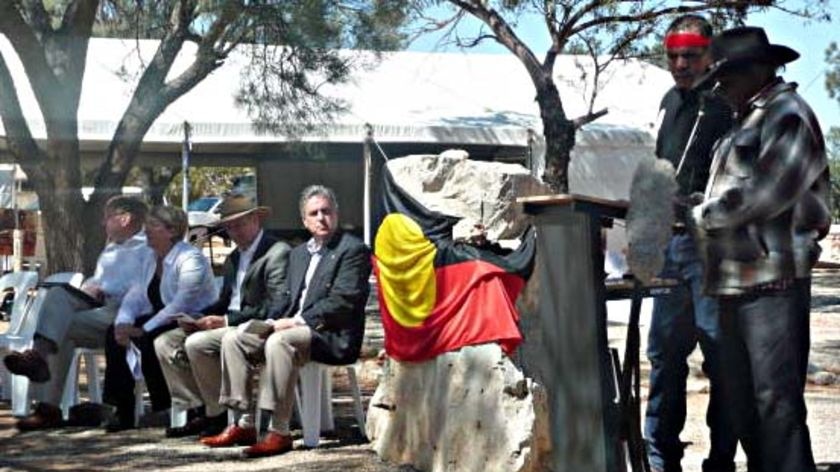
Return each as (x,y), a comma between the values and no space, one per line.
(406,263)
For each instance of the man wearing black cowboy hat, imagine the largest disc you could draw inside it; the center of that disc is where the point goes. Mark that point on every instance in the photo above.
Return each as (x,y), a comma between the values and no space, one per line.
(252,275)
(692,120)
(765,208)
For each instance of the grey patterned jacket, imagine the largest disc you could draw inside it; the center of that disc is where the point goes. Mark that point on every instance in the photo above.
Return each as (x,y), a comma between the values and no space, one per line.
(766,203)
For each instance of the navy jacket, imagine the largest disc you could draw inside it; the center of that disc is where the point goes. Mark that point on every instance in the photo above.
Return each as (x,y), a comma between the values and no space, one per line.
(335,300)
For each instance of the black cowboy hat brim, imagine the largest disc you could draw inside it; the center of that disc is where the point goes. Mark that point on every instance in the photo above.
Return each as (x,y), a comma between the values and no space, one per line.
(776,54)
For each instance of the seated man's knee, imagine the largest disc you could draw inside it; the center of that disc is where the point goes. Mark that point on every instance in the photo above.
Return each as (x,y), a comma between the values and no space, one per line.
(230,339)
(197,343)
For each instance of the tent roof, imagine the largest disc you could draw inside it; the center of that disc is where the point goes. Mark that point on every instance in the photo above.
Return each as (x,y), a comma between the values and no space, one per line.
(407,97)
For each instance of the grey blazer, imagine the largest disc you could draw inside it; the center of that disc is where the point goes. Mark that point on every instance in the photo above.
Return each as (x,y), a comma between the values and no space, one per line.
(263,281)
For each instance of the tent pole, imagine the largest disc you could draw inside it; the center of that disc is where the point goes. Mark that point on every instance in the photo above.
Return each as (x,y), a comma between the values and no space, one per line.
(17,233)
(367,172)
(185,167)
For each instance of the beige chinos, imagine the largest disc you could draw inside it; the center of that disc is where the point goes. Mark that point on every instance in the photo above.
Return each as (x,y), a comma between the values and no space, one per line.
(284,353)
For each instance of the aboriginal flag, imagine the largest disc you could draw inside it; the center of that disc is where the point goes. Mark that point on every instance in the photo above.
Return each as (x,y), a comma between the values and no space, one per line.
(437,295)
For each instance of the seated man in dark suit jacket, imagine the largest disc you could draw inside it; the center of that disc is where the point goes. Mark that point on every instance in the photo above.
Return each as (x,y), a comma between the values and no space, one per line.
(319,316)
(190,356)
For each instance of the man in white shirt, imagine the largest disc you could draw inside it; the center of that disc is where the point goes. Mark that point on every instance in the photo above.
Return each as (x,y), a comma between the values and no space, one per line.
(68,321)
(190,356)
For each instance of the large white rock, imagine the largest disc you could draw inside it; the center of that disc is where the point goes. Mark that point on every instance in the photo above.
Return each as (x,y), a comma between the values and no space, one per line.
(470,410)
(478,191)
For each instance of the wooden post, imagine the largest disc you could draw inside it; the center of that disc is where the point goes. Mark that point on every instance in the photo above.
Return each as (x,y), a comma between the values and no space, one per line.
(578,370)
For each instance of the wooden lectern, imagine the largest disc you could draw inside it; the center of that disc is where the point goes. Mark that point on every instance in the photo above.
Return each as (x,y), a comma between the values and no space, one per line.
(593,398)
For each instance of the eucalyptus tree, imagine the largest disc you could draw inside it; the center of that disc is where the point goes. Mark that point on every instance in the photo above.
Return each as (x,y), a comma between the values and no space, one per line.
(603,29)
(51,40)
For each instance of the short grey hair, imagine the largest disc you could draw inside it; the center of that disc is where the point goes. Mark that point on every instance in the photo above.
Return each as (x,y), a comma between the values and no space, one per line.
(133,206)
(315,191)
(173,218)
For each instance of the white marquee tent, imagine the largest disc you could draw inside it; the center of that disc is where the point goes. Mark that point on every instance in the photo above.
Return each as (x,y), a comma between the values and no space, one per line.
(415,102)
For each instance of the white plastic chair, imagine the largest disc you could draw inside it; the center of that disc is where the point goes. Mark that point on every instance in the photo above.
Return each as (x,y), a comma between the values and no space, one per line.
(314,399)
(22,283)
(71,395)
(25,331)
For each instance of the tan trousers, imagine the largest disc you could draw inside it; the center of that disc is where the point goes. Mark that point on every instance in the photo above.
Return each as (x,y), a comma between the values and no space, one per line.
(191,365)
(65,320)
(284,353)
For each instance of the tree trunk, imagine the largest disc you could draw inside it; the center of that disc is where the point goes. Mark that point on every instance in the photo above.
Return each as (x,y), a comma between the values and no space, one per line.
(64,217)
(559,134)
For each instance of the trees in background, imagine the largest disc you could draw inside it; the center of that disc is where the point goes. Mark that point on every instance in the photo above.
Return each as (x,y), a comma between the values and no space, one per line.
(605,30)
(832,137)
(51,39)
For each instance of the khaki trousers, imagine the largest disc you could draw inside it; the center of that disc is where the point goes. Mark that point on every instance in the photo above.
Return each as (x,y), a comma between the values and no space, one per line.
(69,323)
(191,365)
(284,353)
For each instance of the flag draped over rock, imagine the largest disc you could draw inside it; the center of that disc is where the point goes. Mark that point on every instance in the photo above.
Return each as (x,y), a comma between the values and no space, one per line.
(437,295)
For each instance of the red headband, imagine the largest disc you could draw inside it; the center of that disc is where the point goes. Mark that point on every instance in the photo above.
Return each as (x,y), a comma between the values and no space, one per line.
(686,40)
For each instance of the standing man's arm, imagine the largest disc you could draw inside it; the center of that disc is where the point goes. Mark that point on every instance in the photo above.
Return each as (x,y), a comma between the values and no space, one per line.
(786,165)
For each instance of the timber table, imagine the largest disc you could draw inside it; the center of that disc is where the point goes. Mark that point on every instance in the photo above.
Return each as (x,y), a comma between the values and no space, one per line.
(593,397)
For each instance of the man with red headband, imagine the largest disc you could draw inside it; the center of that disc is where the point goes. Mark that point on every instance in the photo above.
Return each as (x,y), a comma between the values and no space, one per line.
(691,123)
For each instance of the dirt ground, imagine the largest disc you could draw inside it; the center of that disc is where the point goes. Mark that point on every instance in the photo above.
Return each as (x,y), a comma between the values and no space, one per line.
(147,449)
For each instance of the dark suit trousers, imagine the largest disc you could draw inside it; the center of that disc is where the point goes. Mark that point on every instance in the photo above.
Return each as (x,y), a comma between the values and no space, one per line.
(765,342)
(119,382)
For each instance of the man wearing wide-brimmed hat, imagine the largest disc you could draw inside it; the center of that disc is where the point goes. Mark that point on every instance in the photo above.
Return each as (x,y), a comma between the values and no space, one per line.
(252,275)
(765,208)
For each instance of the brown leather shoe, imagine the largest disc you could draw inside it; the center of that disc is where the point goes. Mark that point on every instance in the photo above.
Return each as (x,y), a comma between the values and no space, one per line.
(272,444)
(28,363)
(232,436)
(45,416)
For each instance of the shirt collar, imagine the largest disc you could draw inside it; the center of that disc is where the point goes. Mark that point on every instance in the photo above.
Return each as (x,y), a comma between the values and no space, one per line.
(313,246)
(773,88)
(253,247)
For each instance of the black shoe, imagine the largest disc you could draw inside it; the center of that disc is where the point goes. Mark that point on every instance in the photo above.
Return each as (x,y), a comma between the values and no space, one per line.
(117,420)
(201,426)
(46,416)
(215,425)
(192,428)
(117,426)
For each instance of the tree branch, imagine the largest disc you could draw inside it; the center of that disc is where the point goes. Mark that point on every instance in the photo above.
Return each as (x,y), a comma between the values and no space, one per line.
(78,18)
(29,50)
(507,37)
(588,118)
(18,136)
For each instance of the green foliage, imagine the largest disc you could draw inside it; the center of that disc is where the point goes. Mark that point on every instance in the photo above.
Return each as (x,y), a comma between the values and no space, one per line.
(832,141)
(832,75)
(205,181)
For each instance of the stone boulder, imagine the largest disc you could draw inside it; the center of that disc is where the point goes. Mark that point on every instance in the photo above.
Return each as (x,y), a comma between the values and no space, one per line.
(477,191)
(473,409)
(470,410)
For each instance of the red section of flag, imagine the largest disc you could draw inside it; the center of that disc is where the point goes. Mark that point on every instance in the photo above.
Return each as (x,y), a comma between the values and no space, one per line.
(475,305)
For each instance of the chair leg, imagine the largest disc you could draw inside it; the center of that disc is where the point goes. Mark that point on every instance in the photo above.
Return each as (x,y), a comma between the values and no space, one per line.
(177,416)
(327,423)
(6,386)
(139,390)
(310,380)
(94,385)
(70,394)
(20,395)
(358,408)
